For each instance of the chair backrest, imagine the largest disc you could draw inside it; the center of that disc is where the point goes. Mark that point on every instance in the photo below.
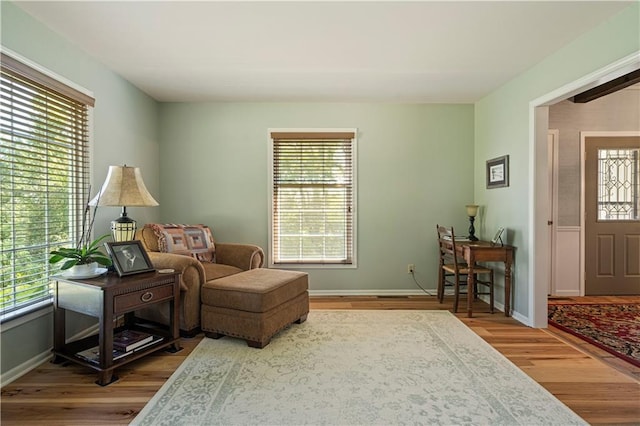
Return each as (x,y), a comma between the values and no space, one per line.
(447,246)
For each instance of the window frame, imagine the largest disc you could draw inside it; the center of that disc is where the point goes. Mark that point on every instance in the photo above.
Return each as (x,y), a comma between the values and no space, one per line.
(354,184)
(52,82)
(605,175)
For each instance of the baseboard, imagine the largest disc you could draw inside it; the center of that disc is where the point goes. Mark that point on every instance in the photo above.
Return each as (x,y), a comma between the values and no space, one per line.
(328,293)
(22,369)
(521,318)
(33,363)
(390,293)
(566,293)
(515,315)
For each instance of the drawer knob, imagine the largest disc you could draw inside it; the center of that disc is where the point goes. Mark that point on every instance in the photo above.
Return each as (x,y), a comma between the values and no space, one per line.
(146,296)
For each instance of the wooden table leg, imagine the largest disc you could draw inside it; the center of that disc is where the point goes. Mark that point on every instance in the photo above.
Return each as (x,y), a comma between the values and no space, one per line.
(507,288)
(106,377)
(59,335)
(470,286)
(470,259)
(174,314)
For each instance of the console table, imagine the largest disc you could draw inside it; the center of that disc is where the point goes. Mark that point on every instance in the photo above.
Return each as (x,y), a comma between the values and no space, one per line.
(485,251)
(107,297)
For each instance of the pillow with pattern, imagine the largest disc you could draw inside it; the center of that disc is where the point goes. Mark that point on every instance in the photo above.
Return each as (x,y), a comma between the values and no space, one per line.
(190,240)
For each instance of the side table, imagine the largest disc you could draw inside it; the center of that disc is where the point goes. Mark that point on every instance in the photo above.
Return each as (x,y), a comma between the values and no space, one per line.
(107,297)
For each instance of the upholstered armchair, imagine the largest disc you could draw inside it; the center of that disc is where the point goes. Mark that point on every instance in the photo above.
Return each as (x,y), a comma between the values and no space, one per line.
(213,260)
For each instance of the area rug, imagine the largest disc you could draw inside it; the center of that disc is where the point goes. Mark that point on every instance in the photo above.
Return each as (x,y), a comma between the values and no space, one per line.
(355,368)
(614,328)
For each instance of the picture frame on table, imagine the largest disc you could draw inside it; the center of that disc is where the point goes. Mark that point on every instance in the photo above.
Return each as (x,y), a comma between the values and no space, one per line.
(497,239)
(129,257)
(498,172)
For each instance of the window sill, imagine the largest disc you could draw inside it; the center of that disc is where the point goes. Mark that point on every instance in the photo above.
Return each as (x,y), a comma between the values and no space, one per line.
(312,266)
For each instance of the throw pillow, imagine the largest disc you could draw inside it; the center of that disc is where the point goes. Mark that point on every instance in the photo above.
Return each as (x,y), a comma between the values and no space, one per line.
(190,240)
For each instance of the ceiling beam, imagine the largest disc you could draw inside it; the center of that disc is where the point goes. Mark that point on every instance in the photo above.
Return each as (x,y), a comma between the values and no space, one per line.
(607,88)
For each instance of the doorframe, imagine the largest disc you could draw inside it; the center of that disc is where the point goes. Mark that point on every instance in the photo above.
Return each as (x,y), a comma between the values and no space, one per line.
(552,215)
(583,189)
(538,181)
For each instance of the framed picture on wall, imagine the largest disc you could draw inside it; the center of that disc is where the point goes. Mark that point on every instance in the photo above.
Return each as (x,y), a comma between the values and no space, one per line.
(498,172)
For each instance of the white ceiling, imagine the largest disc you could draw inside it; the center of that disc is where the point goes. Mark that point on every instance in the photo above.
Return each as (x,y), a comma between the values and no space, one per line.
(416,51)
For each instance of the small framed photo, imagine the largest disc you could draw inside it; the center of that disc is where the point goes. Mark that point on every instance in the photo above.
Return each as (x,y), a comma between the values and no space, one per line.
(498,172)
(498,237)
(129,257)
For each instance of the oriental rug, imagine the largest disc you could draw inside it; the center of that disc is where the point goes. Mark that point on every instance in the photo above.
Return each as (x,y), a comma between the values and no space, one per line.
(355,368)
(612,327)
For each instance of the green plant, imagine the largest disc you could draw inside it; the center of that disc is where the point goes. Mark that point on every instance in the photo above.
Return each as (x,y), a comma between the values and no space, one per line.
(82,255)
(85,251)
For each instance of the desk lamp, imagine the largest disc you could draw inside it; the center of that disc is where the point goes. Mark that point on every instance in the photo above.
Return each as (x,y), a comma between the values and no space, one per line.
(123,187)
(472,211)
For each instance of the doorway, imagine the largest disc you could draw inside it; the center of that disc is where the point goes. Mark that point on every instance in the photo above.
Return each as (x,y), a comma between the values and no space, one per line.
(539,269)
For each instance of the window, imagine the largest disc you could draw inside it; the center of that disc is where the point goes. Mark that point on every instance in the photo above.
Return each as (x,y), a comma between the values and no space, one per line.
(313,187)
(618,184)
(44,176)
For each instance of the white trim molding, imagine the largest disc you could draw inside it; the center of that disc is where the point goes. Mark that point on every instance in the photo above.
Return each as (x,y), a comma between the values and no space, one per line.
(33,363)
(566,276)
(384,293)
(22,369)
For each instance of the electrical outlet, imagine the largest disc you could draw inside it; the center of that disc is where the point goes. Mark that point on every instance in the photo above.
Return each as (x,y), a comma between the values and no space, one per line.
(411,268)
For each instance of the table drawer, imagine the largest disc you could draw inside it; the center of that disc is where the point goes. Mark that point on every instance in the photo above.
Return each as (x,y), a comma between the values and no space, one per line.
(139,299)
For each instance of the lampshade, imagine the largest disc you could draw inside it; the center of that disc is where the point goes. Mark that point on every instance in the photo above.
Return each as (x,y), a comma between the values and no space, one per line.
(472,210)
(123,187)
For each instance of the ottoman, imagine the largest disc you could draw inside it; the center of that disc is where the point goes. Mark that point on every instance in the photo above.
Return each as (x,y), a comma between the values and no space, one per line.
(254,305)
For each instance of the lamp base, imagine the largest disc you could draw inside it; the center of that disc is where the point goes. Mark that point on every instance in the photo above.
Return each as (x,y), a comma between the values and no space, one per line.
(472,230)
(123,228)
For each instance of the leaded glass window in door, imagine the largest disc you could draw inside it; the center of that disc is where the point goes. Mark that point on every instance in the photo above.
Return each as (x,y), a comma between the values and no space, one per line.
(618,184)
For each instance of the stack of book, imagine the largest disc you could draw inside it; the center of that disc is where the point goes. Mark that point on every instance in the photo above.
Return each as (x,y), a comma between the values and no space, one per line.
(124,343)
(128,340)
(93,354)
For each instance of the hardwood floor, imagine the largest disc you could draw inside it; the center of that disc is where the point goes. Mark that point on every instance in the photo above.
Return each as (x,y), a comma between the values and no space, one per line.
(599,389)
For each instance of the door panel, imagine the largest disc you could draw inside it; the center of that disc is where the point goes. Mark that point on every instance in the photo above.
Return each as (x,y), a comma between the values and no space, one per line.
(632,251)
(605,255)
(612,219)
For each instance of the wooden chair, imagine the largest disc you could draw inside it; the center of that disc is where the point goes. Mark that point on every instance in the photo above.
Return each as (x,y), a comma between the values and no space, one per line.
(453,271)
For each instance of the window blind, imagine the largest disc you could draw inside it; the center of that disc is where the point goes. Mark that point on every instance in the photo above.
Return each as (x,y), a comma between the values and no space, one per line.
(44,178)
(313,197)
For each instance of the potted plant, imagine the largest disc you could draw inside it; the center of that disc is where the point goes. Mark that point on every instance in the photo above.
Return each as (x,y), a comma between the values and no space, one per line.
(85,257)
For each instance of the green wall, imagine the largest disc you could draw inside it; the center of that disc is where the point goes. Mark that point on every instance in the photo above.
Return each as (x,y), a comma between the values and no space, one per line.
(414,170)
(124,131)
(503,126)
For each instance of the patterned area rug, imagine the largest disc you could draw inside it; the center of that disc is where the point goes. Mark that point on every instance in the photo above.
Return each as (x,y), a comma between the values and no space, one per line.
(355,368)
(614,328)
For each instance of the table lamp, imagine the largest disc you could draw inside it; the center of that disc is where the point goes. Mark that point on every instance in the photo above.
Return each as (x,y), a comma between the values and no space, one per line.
(472,211)
(123,187)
